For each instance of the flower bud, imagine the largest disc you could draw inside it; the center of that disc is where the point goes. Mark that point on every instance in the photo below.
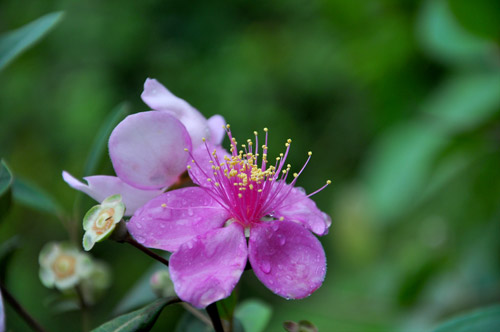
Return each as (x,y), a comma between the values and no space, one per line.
(161,284)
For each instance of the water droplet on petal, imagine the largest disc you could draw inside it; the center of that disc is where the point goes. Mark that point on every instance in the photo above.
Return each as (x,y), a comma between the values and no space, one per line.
(265,266)
(190,212)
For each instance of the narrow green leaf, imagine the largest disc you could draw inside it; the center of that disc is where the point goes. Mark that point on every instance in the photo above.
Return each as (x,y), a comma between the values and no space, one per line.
(399,167)
(254,315)
(484,319)
(7,250)
(5,188)
(30,195)
(101,140)
(442,37)
(13,43)
(139,320)
(465,101)
(141,293)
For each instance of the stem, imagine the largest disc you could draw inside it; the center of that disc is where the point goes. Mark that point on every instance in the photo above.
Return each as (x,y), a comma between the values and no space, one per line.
(84,308)
(145,250)
(20,310)
(213,312)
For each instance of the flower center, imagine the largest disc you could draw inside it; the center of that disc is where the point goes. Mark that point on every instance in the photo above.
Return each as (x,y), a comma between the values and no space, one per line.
(104,221)
(64,266)
(249,191)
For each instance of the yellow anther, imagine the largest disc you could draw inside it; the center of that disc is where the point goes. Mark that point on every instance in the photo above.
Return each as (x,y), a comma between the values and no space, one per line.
(250,186)
(209,179)
(295,175)
(188,166)
(289,140)
(260,190)
(328,182)
(164,205)
(240,195)
(227,126)
(186,149)
(282,218)
(265,129)
(203,139)
(255,133)
(217,184)
(309,153)
(193,161)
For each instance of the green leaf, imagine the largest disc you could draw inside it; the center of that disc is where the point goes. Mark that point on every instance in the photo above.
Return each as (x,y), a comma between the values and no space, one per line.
(101,140)
(478,16)
(7,250)
(465,101)
(141,293)
(139,320)
(254,315)
(399,167)
(5,188)
(13,43)
(189,323)
(443,38)
(30,195)
(484,319)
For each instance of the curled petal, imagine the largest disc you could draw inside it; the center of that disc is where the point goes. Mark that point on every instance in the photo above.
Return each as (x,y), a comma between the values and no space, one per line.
(202,168)
(287,258)
(147,149)
(299,208)
(101,186)
(217,124)
(175,217)
(159,98)
(207,268)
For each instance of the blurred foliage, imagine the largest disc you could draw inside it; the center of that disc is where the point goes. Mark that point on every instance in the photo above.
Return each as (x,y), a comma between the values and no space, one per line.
(400,98)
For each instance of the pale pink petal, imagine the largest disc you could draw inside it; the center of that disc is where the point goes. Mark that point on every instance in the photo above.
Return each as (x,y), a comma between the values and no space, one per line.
(101,186)
(147,149)
(159,98)
(287,258)
(299,208)
(207,268)
(175,217)
(201,169)
(2,315)
(217,124)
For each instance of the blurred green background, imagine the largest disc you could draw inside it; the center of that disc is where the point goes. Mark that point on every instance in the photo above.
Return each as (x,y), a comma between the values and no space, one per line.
(398,100)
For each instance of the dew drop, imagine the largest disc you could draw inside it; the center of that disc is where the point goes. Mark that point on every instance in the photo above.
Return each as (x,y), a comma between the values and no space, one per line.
(265,266)
(190,212)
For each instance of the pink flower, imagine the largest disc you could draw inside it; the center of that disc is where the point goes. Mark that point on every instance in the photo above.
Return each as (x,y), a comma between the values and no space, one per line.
(206,226)
(147,149)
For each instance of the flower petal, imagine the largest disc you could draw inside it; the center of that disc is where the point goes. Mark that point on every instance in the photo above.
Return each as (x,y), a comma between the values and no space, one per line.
(147,149)
(101,186)
(287,258)
(2,315)
(202,168)
(207,268)
(217,124)
(299,208)
(159,98)
(175,217)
